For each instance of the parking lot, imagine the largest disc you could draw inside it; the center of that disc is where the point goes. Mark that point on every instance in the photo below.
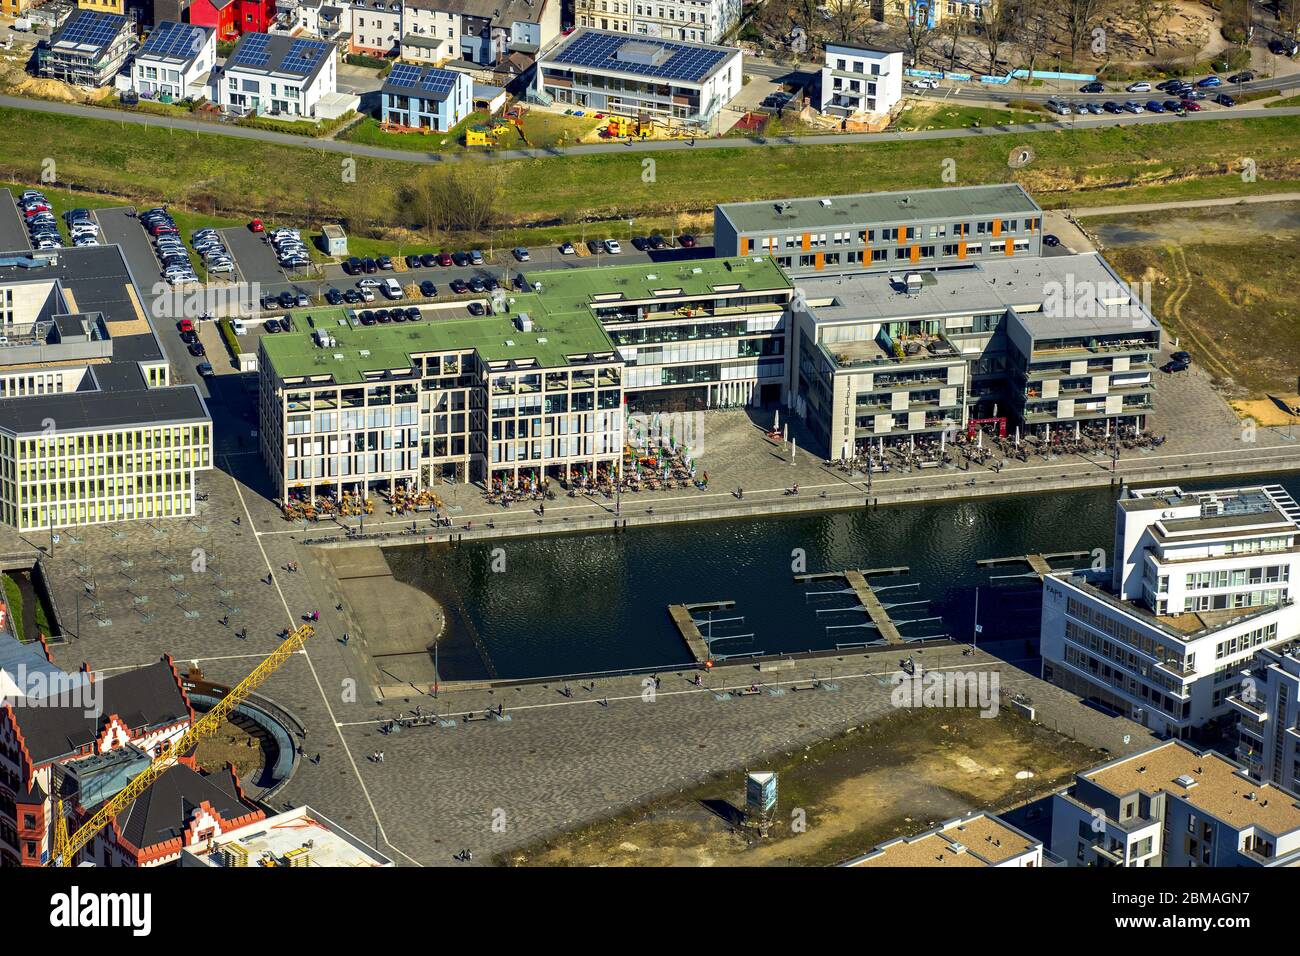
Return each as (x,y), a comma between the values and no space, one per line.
(254,258)
(13,232)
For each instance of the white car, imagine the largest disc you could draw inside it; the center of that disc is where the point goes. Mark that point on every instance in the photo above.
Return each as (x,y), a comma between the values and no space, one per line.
(925,84)
(612,247)
(1142,86)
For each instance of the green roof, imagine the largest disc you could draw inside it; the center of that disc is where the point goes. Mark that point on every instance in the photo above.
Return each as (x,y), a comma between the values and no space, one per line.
(495,338)
(563,323)
(912,205)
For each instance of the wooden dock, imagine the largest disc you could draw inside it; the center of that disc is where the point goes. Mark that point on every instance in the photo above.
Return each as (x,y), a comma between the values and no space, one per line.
(857,581)
(683,616)
(1039,564)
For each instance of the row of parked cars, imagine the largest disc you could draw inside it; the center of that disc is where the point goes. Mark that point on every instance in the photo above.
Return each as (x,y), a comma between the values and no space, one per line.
(384,316)
(207,242)
(82,227)
(170,249)
(289,248)
(42,227)
(1184,96)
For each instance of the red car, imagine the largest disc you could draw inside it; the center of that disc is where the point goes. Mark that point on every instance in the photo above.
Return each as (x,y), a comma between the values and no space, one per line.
(256,226)
(185,325)
(1191,106)
(444,258)
(686,241)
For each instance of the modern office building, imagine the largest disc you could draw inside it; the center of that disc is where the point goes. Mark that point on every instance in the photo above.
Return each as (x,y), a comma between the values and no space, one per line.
(662,80)
(87,50)
(1199,583)
(1268,721)
(1174,806)
(275,75)
(695,334)
(425,98)
(477,31)
(524,394)
(975,840)
(91,430)
(1035,344)
(859,79)
(175,61)
(691,21)
(923,228)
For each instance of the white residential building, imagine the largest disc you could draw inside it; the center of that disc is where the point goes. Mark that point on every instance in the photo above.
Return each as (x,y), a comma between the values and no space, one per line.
(979,839)
(692,21)
(376,26)
(1200,581)
(282,76)
(857,79)
(477,31)
(1174,806)
(175,60)
(1268,728)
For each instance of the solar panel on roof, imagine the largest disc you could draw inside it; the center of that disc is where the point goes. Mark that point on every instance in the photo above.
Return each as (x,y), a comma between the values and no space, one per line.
(174,40)
(601,51)
(426,79)
(303,56)
(92,28)
(252,51)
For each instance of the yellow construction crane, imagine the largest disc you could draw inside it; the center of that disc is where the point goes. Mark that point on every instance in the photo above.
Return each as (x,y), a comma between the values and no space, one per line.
(66,847)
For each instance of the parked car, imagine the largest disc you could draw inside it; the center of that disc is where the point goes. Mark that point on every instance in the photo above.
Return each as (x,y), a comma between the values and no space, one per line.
(686,241)
(1155,106)
(459,286)
(1093,87)
(384,262)
(1172,106)
(413,314)
(641,243)
(1190,106)
(659,243)
(566,249)
(1058,107)
(391,289)
(1223,99)
(445,259)
(1245,76)
(521,254)
(925,83)
(288,300)
(1133,106)
(612,247)
(1110,106)
(1093,108)
(1141,86)
(476,258)
(1209,82)
(369,266)
(428,260)
(428,289)
(204,369)
(196,348)
(476,308)
(1184,357)
(1051,241)
(334,297)
(477,285)
(460,258)
(1171,366)
(352,266)
(351,296)
(256,225)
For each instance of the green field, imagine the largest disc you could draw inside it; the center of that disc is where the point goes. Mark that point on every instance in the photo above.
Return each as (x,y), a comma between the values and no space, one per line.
(925,115)
(288,184)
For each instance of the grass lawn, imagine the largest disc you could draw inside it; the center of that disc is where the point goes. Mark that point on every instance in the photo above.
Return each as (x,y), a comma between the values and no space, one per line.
(926,115)
(1223,282)
(297,184)
(369,133)
(1285,101)
(543,129)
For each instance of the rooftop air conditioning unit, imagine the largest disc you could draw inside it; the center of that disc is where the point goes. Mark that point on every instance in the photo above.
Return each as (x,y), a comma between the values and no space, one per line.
(524,321)
(913,281)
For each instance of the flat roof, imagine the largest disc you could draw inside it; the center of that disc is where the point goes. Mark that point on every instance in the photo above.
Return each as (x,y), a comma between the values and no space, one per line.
(269,841)
(371,348)
(1052,296)
(977,840)
(639,56)
(1206,780)
(911,205)
(572,290)
(90,410)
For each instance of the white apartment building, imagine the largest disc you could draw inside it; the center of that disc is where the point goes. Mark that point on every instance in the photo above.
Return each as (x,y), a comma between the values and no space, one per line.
(175,61)
(376,26)
(1268,725)
(693,21)
(978,839)
(477,31)
(857,79)
(1200,582)
(1173,806)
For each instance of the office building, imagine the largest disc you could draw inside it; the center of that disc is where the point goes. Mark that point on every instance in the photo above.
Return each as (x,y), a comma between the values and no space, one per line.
(91,430)
(664,80)
(1200,582)
(1174,806)
(921,228)
(1268,716)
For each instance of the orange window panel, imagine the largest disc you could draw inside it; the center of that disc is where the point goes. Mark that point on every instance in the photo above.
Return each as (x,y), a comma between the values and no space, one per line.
(914,253)
(961,250)
(997,228)
(1011,246)
(819,260)
(744,245)
(806,241)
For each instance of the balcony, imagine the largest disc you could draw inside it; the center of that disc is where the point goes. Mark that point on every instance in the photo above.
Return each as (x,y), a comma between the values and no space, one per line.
(1251,710)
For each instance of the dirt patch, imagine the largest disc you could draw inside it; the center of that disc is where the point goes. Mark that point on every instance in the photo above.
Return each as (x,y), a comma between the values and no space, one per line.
(895,776)
(1222,282)
(1268,412)
(230,744)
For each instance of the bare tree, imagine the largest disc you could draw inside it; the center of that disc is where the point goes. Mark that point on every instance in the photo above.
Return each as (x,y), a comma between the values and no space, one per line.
(1150,16)
(1081,17)
(920,34)
(455,196)
(1288,17)
(1034,29)
(847,17)
(955,25)
(995,25)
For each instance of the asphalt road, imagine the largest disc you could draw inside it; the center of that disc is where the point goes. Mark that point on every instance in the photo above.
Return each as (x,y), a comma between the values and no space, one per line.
(13,230)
